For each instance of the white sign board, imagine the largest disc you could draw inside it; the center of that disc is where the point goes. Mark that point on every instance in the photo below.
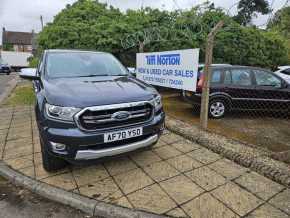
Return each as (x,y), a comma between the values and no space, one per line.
(172,69)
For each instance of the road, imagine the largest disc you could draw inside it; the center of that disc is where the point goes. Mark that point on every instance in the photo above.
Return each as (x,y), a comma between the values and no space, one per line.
(19,203)
(4,81)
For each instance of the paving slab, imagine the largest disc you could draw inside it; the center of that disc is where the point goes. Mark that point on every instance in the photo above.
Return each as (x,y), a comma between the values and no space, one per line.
(122,165)
(41,173)
(185,146)
(236,198)
(167,152)
(64,181)
(133,180)
(181,189)
(184,163)
(20,163)
(177,212)
(267,211)
(152,198)
(259,185)
(160,171)
(171,138)
(206,178)
(102,190)
(204,156)
(228,169)
(206,206)
(87,175)
(145,158)
(282,201)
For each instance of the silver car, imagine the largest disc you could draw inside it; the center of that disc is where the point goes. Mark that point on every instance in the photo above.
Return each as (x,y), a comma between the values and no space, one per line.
(284,72)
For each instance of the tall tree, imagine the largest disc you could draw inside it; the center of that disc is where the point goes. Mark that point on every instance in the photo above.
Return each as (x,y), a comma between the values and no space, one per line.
(281,22)
(249,8)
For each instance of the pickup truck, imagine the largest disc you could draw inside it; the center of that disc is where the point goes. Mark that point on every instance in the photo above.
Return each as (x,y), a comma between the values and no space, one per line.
(88,107)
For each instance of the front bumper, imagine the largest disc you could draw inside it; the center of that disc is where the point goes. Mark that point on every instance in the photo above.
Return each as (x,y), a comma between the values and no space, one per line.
(5,70)
(96,154)
(81,145)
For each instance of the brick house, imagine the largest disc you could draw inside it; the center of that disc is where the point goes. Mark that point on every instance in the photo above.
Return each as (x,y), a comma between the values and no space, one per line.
(18,41)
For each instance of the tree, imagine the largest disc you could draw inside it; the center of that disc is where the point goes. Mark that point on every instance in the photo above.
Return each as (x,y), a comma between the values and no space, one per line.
(8,47)
(281,24)
(92,25)
(248,8)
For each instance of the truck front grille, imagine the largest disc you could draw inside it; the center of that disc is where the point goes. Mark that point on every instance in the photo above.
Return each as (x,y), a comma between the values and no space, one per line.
(102,117)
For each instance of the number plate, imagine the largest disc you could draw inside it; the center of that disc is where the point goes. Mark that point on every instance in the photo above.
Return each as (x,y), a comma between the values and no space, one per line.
(121,135)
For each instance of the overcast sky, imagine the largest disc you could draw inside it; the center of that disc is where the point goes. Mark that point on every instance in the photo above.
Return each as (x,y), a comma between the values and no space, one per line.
(24,15)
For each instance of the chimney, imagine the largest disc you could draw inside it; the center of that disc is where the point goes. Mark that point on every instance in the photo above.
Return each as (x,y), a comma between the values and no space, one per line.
(3,35)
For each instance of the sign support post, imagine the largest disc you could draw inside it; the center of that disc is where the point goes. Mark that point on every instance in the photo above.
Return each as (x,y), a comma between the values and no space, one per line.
(207,75)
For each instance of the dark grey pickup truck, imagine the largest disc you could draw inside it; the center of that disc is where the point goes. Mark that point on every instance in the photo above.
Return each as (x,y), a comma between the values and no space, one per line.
(88,106)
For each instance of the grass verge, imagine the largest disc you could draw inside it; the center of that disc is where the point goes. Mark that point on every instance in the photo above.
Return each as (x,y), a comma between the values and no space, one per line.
(21,95)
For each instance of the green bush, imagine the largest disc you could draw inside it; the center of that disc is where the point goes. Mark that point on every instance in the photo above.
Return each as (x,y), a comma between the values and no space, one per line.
(91,25)
(33,62)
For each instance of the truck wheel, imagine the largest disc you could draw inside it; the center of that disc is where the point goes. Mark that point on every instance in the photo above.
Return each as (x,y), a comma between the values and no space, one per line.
(51,163)
(217,108)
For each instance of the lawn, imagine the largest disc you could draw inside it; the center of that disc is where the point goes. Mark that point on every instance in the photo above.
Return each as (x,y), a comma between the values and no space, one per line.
(21,95)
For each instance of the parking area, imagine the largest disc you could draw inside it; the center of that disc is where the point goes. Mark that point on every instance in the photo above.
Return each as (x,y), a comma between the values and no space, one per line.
(266,131)
(177,177)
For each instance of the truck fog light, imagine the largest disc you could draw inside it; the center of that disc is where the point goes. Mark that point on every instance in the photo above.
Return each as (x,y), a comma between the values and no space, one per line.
(58,146)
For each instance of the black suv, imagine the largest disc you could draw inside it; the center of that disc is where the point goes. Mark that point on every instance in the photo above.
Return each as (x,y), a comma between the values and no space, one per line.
(89,107)
(243,88)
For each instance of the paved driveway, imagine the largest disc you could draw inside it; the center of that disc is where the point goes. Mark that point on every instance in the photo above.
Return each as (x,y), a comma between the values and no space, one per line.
(4,81)
(176,178)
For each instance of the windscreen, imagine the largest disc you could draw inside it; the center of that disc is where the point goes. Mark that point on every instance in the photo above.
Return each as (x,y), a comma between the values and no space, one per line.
(83,64)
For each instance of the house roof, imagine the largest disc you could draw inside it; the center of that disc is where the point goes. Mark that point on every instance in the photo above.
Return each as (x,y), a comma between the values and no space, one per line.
(23,38)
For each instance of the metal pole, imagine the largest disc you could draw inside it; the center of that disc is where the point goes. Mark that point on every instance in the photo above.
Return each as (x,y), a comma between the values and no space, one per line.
(207,75)
(41,21)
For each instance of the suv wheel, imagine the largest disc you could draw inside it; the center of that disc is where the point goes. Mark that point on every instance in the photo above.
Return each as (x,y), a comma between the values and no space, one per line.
(51,163)
(217,109)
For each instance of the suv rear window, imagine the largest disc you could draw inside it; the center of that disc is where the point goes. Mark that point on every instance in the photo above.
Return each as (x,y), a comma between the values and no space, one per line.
(216,76)
(241,77)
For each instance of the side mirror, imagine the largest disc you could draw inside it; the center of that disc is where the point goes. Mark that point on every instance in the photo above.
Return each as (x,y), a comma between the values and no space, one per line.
(132,71)
(29,73)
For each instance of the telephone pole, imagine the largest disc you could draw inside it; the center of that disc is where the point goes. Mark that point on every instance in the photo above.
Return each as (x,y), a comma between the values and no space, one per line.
(41,22)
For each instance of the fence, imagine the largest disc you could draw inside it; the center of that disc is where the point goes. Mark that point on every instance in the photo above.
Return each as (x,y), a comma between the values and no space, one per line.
(248,104)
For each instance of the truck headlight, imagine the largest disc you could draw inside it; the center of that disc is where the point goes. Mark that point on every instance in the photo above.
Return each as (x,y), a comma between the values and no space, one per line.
(61,113)
(157,103)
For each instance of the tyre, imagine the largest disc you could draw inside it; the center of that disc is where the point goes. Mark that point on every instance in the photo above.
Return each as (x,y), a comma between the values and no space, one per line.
(217,108)
(51,163)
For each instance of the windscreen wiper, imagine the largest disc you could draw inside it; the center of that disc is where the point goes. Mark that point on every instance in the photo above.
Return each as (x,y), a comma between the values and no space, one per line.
(94,75)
